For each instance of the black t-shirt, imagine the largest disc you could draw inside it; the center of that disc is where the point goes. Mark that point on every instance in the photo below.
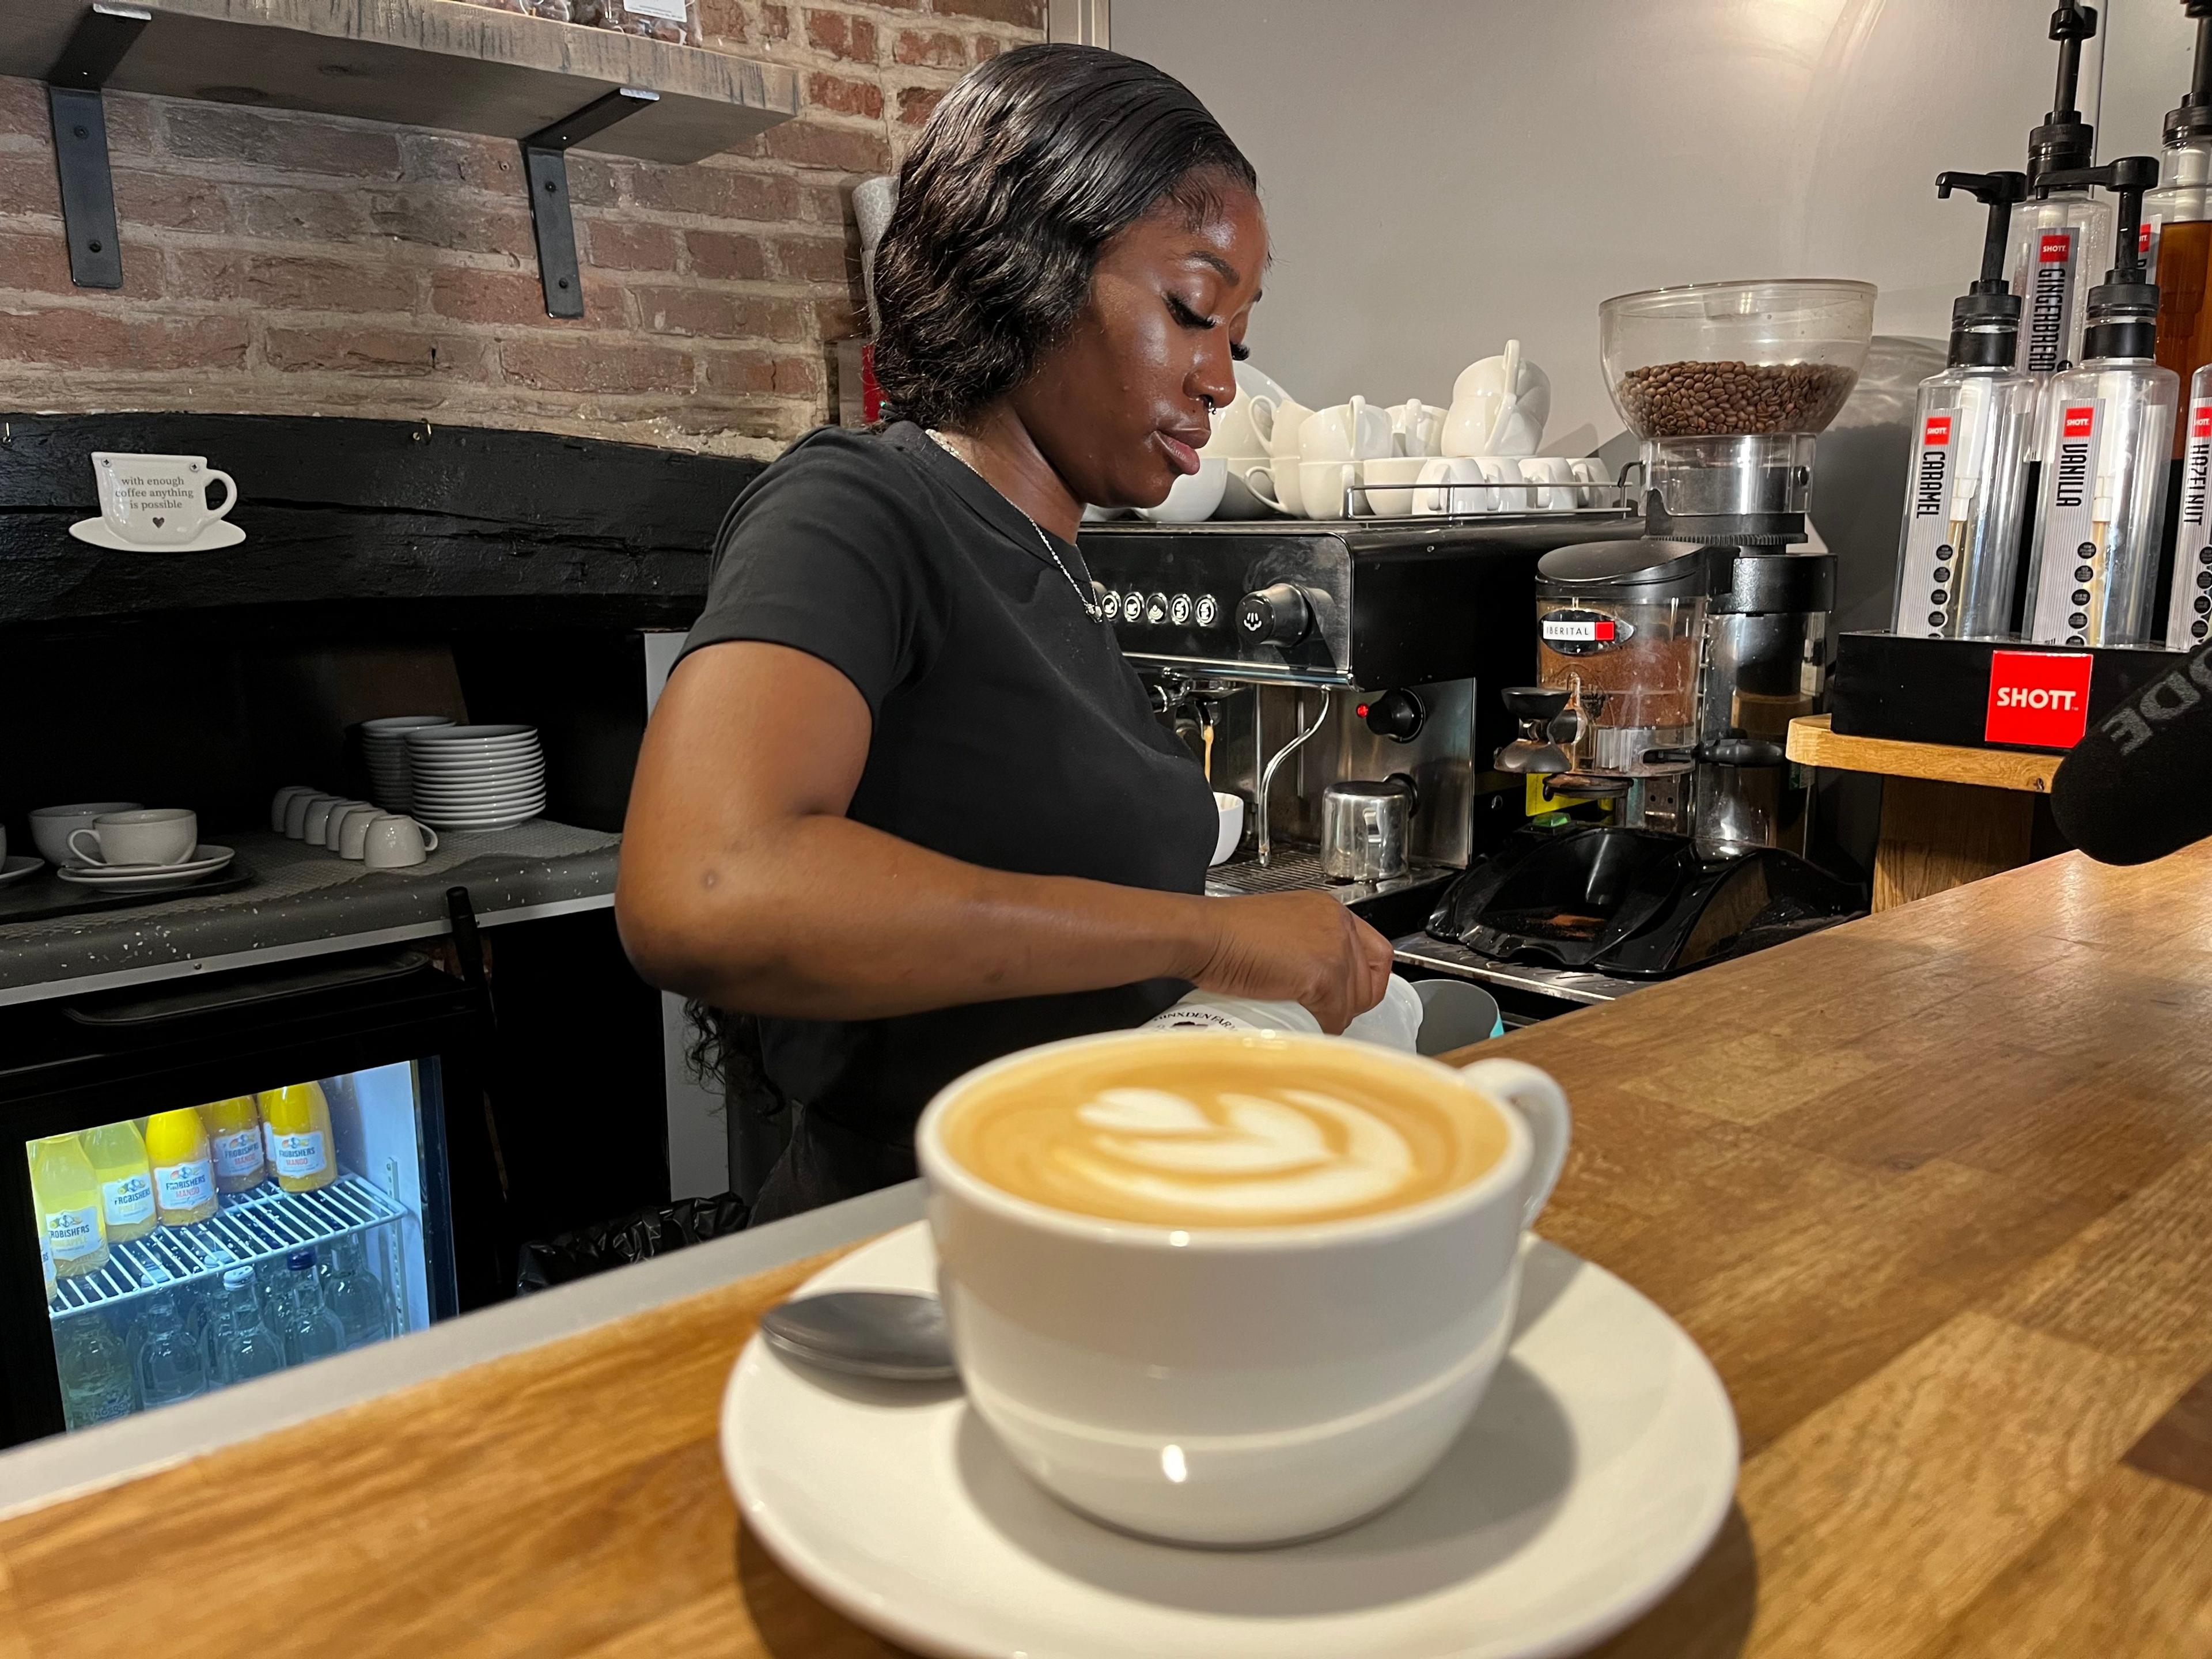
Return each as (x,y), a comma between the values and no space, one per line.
(1009,730)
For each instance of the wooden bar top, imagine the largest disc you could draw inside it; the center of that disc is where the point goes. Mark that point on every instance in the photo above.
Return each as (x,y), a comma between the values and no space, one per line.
(1933,1189)
(1813,742)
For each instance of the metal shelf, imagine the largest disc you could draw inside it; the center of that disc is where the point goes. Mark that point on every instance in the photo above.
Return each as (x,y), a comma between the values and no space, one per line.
(262,1225)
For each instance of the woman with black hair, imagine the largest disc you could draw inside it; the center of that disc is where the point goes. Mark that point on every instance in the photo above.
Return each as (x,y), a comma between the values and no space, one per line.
(903,799)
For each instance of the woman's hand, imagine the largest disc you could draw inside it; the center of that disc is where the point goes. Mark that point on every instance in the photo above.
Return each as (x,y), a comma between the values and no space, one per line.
(1305,948)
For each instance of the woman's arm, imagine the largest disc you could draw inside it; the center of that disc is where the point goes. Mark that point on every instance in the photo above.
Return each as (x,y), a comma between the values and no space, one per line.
(744,884)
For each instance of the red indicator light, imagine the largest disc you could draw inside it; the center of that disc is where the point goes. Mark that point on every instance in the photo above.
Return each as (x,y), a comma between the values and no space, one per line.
(1362,711)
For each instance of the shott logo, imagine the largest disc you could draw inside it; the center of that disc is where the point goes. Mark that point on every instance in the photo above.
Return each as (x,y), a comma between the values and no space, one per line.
(2081,420)
(2039,698)
(2053,248)
(2199,421)
(1938,433)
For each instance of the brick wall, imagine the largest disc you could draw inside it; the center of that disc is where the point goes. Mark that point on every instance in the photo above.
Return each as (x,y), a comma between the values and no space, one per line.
(282,264)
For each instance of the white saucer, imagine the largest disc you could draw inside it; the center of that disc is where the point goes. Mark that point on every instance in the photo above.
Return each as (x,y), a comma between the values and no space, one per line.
(207,858)
(15,869)
(220,534)
(1601,1464)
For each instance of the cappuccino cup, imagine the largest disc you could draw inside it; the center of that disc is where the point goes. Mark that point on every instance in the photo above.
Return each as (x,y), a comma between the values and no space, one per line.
(155,836)
(159,501)
(391,841)
(1386,484)
(1275,423)
(1277,485)
(1350,431)
(1233,1287)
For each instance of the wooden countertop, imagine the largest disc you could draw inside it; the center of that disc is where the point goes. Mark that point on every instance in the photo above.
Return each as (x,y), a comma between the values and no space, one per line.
(1812,742)
(1933,1189)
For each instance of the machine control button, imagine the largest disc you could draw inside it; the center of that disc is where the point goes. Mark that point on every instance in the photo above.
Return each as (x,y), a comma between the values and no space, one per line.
(1208,611)
(1280,614)
(1133,606)
(1155,609)
(1397,715)
(1111,602)
(1179,609)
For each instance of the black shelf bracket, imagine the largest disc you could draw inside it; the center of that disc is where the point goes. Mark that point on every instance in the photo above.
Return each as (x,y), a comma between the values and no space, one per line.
(102,36)
(545,164)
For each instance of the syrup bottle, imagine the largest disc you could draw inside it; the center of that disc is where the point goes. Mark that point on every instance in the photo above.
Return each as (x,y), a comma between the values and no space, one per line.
(2177,229)
(1959,551)
(2063,230)
(2106,436)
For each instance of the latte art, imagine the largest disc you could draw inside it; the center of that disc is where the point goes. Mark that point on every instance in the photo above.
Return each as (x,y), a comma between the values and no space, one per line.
(1223,1131)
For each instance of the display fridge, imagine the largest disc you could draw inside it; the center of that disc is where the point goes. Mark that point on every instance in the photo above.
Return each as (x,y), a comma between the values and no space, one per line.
(242,1175)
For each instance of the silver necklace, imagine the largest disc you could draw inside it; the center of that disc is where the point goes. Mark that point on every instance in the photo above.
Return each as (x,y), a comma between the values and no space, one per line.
(1090,607)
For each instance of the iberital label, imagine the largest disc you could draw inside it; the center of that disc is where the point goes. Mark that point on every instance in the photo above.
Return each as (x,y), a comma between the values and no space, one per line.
(2073,570)
(2189,612)
(2050,297)
(1924,596)
(1581,633)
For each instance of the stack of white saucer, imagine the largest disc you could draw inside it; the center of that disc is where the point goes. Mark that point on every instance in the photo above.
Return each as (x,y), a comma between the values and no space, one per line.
(476,777)
(384,747)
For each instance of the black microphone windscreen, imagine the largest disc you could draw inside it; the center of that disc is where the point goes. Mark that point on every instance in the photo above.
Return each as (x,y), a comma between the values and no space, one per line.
(2139,785)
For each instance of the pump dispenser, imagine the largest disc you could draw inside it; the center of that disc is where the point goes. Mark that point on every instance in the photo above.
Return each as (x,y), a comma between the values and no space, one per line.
(2063,230)
(2178,217)
(2105,435)
(1958,552)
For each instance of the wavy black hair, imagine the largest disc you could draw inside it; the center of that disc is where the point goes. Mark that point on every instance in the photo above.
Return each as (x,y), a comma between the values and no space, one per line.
(1028,167)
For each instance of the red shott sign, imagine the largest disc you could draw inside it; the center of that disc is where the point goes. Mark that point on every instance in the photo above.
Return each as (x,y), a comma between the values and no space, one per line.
(1938,433)
(2051,250)
(2040,698)
(2079,419)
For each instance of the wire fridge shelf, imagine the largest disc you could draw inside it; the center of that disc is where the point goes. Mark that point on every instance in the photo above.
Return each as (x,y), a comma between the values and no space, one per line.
(264,1224)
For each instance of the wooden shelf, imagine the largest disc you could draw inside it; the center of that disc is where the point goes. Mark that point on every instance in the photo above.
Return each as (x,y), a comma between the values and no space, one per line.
(1812,744)
(439,64)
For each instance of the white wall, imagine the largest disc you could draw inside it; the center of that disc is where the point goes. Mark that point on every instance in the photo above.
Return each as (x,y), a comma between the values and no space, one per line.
(1442,173)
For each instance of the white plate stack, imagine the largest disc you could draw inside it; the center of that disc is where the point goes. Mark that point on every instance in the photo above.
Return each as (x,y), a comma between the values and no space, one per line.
(476,777)
(384,747)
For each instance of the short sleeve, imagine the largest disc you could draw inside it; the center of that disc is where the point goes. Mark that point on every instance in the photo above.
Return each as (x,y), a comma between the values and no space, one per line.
(823,553)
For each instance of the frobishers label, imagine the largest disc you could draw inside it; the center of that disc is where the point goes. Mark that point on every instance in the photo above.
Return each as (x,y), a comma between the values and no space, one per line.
(1924,592)
(2189,610)
(2072,567)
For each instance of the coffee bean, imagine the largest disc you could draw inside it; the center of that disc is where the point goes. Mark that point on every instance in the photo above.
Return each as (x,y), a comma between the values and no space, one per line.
(1694,399)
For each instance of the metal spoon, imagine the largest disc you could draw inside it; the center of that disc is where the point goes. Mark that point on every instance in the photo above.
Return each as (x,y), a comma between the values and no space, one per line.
(898,1335)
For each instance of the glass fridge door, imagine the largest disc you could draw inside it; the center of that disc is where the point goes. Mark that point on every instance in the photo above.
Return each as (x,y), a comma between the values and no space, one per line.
(204,1245)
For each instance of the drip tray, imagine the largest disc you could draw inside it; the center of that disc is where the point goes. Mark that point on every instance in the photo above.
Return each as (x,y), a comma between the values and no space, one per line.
(1392,905)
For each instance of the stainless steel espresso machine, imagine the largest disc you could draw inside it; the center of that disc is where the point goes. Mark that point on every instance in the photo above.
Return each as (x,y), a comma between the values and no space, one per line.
(1316,667)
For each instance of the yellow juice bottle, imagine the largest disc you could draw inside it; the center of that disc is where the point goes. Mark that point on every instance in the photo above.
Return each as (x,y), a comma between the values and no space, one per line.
(183,1171)
(67,1195)
(301,1145)
(234,1127)
(126,1179)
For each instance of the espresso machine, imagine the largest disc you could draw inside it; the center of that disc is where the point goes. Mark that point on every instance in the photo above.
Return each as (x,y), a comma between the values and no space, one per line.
(1321,668)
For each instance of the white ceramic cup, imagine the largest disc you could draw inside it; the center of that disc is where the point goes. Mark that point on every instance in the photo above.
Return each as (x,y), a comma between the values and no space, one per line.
(1194,496)
(353,830)
(1386,484)
(1350,431)
(1238,1386)
(160,835)
(52,827)
(392,841)
(1417,429)
(158,500)
(1278,485)
(1275,423)
(1322,486)
(315,821)
(1231,829)
(336,818)
(1452,486)
(1240,498)
(1596,483)
(1234,435)
(1555,477)
(1508,374)
(282,799)
(295,812)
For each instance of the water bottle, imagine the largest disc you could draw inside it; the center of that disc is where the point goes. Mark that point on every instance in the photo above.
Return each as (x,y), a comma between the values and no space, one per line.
(353,1295)
(246,1347)
(311,1332)
(171,1366)
(93,1363)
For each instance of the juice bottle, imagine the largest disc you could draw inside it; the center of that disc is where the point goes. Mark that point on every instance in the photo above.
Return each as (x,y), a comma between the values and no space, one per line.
(184,1172)
(234,1127)
(126,1179)
(300,1140)
(67,1195)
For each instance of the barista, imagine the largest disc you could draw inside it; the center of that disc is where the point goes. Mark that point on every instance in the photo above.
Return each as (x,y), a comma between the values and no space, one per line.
(903,799)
